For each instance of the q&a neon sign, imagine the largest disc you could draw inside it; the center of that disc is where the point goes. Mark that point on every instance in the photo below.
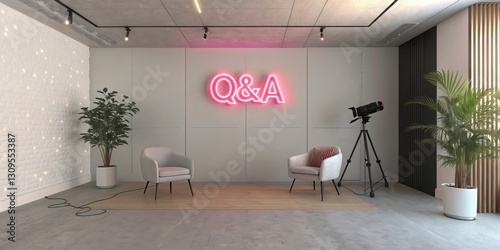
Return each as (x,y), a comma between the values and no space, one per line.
(223,88)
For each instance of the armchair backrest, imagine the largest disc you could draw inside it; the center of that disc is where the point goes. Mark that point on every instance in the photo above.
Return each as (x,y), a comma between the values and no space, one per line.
(336,150)
(159,154)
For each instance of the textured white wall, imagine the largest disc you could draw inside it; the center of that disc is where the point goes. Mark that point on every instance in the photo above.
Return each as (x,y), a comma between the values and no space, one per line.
(169,86)
(452,54)
(44,82)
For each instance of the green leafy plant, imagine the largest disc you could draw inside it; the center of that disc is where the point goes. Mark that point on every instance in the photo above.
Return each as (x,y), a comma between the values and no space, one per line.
(467,128)
(108,123)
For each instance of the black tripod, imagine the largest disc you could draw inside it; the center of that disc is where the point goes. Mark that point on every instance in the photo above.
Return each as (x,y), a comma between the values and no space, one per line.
(364,132)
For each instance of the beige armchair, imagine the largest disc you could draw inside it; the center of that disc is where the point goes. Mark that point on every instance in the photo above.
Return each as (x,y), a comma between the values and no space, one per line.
(161,164)
(319,164)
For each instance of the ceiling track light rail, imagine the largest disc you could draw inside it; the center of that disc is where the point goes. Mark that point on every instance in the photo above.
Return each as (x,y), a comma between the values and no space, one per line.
(229,26)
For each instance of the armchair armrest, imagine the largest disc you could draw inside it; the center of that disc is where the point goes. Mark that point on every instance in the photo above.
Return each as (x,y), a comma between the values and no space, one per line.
(149,169)
(330,167)
(298,160)
(181,161)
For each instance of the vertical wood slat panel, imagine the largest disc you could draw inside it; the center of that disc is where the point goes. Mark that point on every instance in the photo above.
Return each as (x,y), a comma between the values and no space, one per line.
(484,32)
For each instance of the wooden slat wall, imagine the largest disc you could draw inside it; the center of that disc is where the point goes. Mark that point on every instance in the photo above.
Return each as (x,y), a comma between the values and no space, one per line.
(484,32)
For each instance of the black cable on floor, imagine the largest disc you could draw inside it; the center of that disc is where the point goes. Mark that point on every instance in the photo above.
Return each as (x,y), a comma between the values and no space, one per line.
(85,209)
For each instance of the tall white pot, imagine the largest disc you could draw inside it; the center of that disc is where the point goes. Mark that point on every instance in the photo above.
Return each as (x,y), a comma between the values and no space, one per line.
(106,176)
(459,203)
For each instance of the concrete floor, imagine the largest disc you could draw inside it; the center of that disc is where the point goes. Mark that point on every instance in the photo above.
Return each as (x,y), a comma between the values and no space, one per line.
(403,219)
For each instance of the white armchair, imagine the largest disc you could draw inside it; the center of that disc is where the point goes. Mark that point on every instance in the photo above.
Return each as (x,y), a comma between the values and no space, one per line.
(161,164)
(319,164)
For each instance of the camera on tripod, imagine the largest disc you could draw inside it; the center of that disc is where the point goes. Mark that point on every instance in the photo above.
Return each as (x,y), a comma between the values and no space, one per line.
(367,109)
(362,113)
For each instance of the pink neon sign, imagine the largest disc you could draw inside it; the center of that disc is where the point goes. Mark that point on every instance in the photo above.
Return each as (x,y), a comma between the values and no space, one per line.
(223,88)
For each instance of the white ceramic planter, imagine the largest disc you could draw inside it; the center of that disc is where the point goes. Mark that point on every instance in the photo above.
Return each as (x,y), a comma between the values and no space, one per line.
(106,176)
(459,203)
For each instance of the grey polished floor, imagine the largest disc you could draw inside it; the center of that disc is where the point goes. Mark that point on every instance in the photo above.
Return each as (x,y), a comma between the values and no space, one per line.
(403,219)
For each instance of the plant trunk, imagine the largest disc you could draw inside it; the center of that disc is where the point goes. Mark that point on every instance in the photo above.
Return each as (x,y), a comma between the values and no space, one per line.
(461,177)
(107,157)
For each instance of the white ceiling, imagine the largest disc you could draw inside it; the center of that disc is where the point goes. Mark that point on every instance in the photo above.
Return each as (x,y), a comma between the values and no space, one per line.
(245,23)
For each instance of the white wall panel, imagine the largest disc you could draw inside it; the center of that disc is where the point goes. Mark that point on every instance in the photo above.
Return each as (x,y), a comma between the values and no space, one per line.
(265,135)
(158,87)
(380,83)
(267,155)
(334,85)
(213,149)
(111,68)
(213,131)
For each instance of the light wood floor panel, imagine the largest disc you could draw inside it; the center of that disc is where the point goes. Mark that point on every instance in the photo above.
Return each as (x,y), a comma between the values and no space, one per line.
(236,196)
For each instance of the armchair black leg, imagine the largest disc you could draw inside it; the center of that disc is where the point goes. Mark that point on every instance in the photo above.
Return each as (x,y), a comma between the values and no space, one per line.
(335,187)
(146,187)
(291,186)
(321,185)
(190,188)
(170,187)
(156,190)
(314,185)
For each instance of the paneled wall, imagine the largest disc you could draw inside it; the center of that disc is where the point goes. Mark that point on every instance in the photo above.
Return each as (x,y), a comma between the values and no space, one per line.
(251,142)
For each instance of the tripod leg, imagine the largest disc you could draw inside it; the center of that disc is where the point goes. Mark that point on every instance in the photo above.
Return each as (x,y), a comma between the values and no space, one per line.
(378,160)
(350,157)
(368,164)
(335,187)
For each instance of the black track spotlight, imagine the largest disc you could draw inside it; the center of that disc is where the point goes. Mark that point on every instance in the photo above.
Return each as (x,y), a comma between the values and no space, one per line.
(127,29)
(205,35)
(321,33)
(69,20)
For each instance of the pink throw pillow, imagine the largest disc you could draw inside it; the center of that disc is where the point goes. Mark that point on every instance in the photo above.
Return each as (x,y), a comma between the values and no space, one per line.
(318,155)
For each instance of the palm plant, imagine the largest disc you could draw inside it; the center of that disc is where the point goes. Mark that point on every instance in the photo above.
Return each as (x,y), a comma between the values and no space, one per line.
(108,124)
(467,128)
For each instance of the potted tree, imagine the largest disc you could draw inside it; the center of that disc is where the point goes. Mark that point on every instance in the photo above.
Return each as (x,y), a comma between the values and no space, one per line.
(108,128)
(466,131)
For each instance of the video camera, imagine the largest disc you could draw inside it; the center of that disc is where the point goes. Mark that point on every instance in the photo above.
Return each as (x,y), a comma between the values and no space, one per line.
(367,109)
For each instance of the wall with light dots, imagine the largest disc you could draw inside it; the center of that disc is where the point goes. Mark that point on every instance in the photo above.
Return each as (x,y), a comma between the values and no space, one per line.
(44,82)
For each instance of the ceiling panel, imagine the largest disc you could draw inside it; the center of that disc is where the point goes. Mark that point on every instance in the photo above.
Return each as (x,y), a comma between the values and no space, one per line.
(306,12)
(128,17)
(245,17)
(294,41)
(298,31)
(113,4)
(344,13)
(238,42)
(183,12)
(244,4)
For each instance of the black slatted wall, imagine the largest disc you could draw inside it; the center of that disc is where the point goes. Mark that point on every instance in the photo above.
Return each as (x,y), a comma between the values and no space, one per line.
(417,154)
